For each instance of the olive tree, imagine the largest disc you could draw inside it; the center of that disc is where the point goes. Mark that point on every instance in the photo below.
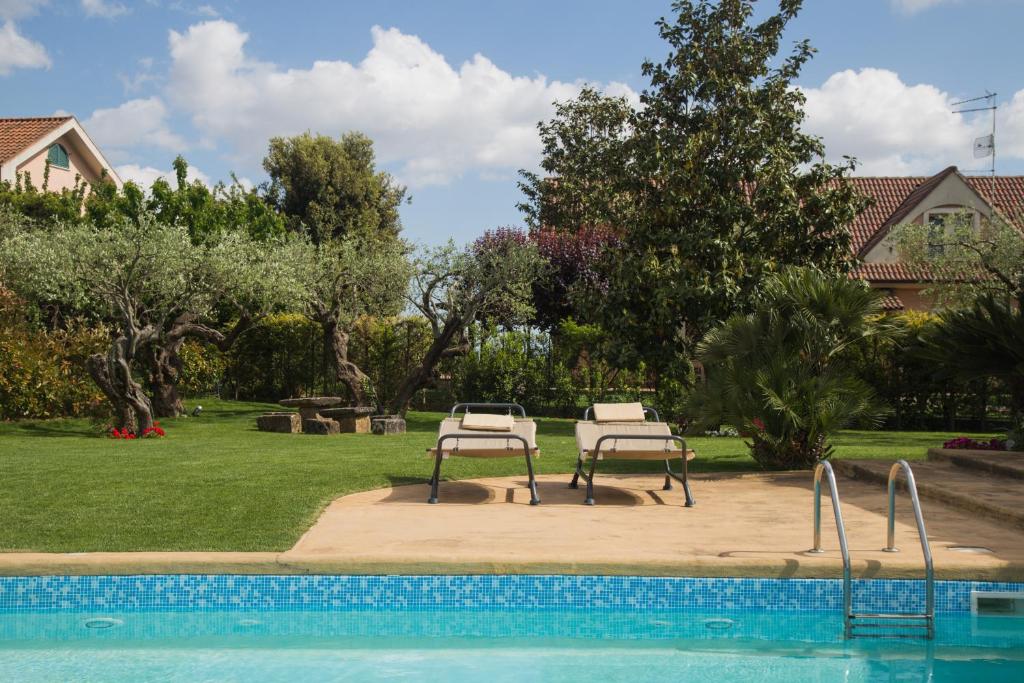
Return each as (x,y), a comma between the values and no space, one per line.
(147,280)
(452,288)
(965,262)
(344,279)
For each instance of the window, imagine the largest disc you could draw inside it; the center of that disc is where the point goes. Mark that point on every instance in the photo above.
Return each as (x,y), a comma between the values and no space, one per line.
(58,156)
(943,222)
(936,233)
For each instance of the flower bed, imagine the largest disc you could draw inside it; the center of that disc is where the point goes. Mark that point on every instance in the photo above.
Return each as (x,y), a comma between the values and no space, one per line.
(966,443)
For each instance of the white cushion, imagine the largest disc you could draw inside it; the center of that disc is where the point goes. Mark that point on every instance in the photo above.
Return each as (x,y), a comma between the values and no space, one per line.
(618,412)
(485,422)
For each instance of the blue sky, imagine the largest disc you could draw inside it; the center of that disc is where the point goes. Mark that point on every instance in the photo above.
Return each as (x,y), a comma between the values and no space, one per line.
(451,90)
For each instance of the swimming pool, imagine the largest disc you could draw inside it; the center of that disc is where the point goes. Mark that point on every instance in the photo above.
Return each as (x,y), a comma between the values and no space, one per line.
(495,628)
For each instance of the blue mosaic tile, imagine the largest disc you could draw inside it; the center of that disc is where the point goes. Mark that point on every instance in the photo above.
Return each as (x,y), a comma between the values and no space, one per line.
(321,593)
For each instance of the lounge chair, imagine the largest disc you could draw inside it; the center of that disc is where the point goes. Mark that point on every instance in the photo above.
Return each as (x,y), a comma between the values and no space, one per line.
(486,435)
(620,431)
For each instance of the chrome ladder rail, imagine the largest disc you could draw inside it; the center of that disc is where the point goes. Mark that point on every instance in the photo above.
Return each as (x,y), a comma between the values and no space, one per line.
(925,620)
(897,621)
(825,467)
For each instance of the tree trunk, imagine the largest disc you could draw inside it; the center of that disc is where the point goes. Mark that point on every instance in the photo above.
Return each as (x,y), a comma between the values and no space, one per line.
(423,374)
(164,373)
(112,374)
(165,364)
(347,372)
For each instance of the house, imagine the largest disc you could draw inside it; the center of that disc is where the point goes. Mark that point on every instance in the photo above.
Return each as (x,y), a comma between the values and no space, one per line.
(921,200)
(26,144)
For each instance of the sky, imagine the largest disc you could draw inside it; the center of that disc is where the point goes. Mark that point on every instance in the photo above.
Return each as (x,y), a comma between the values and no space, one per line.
(451,91)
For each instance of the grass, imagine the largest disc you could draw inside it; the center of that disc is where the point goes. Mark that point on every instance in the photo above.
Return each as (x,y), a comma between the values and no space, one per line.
(215,483)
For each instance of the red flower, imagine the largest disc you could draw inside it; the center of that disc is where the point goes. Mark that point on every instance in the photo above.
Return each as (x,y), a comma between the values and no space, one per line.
(130,436)
(115,434)
(759,423)
(159,431)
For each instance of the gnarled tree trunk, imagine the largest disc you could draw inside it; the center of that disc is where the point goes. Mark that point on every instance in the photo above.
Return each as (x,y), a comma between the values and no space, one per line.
(113,375)
(347,372)
(164,370)
(165,365)
(423,374)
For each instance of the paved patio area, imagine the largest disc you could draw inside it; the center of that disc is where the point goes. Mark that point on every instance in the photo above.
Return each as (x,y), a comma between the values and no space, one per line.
(742,525)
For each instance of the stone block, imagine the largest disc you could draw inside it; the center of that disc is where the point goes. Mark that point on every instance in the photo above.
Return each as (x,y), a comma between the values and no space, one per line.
(285,423)
(387,424)
(352,419)
(320,426)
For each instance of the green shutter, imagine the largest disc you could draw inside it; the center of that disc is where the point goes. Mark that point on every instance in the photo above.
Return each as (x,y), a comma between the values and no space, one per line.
(58,156)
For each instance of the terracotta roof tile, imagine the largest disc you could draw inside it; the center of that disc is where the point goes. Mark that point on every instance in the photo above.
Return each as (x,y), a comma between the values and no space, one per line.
(17,134)
(889,272)
(892,303)
(896,197)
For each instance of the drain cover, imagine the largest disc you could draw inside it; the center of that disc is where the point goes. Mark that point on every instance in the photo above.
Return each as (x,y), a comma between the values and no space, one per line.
(977,549)
(102,623)
(718,624)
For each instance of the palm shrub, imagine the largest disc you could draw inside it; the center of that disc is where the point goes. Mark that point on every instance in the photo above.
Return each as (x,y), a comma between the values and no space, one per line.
(781,373)
(983,341)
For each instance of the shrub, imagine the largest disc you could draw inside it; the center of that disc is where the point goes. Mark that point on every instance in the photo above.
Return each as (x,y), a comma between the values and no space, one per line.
(515,366)
(42,373)
(279,357)
(203,368)
(779,374)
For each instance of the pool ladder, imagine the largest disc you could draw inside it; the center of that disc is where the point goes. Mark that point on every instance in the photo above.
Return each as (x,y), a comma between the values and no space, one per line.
(866,624)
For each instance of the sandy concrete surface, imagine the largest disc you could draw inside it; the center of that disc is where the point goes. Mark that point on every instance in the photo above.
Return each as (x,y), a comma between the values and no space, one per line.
(742,525)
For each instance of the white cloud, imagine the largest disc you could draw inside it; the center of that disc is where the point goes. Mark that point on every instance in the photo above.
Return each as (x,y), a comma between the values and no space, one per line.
(16,9)
(18,52)
(143,176)
(434,121)
(103,8)
(1010,127)
(896,129)
(915,6)
(136,123)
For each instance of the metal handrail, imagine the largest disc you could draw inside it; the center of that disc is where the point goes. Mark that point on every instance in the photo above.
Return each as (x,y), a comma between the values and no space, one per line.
(826,467)
(467,406)
(647,411)
(926,550)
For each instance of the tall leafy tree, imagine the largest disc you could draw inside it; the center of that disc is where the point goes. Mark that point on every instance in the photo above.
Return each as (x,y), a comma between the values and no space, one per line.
(331,188)
(711,182)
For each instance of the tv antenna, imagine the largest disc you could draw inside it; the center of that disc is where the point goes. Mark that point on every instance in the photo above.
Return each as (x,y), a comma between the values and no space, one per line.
(985,146)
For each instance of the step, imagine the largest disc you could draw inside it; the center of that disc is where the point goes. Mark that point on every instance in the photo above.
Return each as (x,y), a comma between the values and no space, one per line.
(1002,463)
(990,494)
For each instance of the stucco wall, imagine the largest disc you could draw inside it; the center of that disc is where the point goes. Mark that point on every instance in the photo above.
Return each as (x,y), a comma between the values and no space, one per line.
(60,178)
(951,193)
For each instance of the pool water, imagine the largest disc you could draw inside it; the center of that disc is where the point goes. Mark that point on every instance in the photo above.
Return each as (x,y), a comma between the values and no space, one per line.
(494,645)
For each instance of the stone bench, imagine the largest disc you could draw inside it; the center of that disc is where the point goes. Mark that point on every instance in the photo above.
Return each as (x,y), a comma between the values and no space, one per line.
(387,424)
(351,420)
(284,423)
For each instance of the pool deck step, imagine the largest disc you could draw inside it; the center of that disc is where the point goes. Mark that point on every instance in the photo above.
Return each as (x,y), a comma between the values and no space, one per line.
(994,462)
(984,492)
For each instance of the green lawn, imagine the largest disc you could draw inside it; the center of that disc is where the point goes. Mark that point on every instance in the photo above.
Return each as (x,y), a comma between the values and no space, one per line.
(215,483)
